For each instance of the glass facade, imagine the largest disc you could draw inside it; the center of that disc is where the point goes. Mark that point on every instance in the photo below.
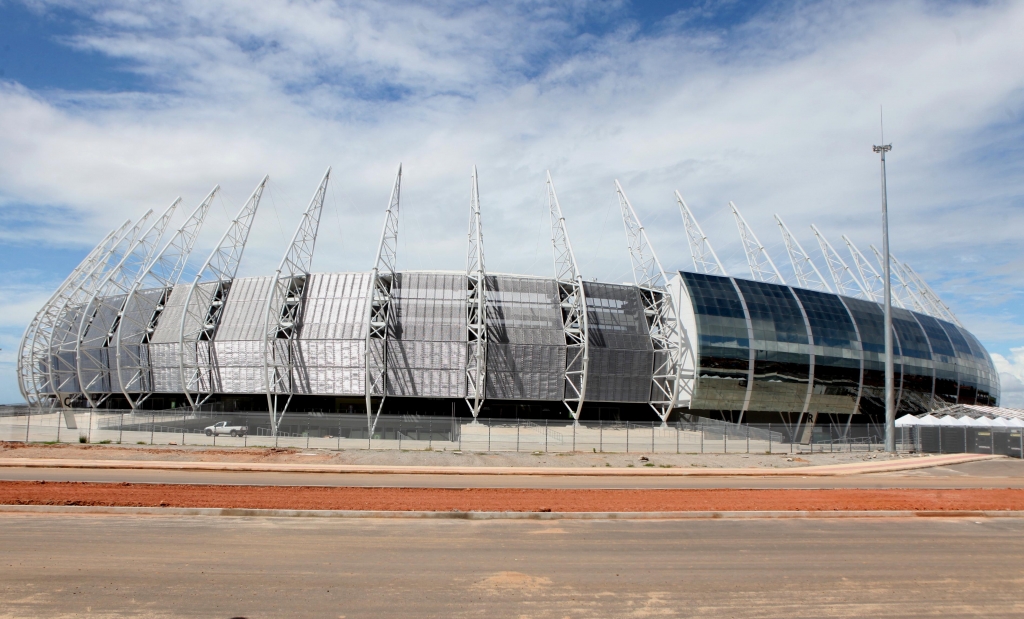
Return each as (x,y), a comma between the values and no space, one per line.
(784,339)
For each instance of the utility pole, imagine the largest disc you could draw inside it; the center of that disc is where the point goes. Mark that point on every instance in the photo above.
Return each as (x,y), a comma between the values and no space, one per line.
(890,399)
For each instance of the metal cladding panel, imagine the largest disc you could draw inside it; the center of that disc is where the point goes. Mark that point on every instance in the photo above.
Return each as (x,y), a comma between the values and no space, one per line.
(335,306)
(418,382)
(523,310)
(244,309)
(133,384)
(525,372)
(166,369)
(429,307)
(168,329)
(138,313)
(621,353)
(330,367)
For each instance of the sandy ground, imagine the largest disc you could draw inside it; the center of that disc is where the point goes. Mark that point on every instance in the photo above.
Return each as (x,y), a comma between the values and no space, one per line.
(503,499)
(391,457)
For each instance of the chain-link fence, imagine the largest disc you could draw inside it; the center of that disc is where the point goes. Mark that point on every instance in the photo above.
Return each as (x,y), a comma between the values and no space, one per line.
(418,432)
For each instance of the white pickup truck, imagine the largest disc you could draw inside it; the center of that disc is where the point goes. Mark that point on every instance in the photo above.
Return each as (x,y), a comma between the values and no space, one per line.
(221,428)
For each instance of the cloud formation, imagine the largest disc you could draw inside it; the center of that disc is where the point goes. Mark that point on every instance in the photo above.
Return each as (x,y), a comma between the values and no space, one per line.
(777,112)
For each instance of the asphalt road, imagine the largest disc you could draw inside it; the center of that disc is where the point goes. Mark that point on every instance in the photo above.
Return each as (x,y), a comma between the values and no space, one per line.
(1005,473)
(113,566)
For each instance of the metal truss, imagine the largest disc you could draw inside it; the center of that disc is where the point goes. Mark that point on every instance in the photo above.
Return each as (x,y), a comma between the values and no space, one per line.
(98,327)
(200,318)
(64,343)
(757,256)
(378,307)
(673,352)
(283,314)
(845,281)
(807,273)
(573,301)
(145,303)
(33,351)
(476,301)
(705,260)
(930,294)
(907,296)
(872,281)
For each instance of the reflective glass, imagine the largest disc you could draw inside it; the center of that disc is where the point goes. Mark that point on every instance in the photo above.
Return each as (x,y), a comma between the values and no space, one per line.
(837,357)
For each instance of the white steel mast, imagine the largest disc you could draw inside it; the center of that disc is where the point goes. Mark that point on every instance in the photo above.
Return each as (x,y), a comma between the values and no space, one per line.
(903,293)
(203,307)
(705,260)
(757,257)
(283,314)
(807,273)
(33,351)
(64,343)
(378,306)
(927,292)
(101,319)
(846,283)
(476,276)
(145,303)
(873,282)
(573,302)
(673,352)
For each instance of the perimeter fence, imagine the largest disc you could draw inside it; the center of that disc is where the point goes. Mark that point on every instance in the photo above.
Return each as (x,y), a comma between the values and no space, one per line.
(336,431)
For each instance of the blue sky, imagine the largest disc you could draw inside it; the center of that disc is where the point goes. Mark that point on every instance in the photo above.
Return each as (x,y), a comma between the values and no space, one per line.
(110,108)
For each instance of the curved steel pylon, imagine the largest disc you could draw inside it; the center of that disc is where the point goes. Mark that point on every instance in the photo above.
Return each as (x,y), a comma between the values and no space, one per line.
(757,257)
(476,304)
(874,284)
(378,307)
(33,351)
(901,290)
(64,343)
(842,276)
(97,329)
(807,273)
(145,304)
(932,296)
(204,304)
(283,314)
(573,302)
(705,260)
(673,351)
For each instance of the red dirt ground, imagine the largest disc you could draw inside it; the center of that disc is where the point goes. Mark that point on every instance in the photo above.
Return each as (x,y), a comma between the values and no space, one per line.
(503,499)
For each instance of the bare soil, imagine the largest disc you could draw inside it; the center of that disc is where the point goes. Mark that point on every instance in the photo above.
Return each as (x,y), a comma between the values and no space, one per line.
(503,499)
(394,457)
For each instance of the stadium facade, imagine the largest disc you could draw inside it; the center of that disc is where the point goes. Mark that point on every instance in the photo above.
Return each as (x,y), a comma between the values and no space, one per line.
(127,330)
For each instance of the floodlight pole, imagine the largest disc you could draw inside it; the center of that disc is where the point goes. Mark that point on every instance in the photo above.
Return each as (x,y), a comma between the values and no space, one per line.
(890,399)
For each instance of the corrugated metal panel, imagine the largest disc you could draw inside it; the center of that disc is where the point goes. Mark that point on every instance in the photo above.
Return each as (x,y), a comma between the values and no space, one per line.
(138,313)
(244,309)
(335,306)
(168,329)
(621,354)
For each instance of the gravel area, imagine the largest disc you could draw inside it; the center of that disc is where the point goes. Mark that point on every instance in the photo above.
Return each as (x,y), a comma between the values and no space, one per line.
(394,457)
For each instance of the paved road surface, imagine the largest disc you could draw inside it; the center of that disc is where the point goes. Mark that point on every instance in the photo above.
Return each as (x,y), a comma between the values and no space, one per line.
(1004,473)
(113,566)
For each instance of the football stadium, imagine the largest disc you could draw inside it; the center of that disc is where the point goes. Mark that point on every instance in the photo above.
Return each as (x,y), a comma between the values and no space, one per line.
(147,322)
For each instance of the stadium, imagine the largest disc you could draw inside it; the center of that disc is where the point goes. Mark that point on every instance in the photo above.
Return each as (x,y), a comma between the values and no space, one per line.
(136,326)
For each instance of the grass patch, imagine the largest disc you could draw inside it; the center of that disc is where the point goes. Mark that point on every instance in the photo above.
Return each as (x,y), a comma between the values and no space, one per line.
(106,442)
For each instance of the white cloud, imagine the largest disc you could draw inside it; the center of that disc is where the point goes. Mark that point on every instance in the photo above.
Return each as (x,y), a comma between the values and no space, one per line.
(778,115)
(1011,377)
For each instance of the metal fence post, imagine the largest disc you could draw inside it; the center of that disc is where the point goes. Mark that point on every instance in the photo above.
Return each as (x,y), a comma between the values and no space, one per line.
(152,428)
(88,433)
(677,439)
(574,424)
(28,422)
(652,437)
(992,436)
(517,434)
(183,427)
(600,435)
(725,439)
(120,428)
(748,439)
(627,437)
(430,433)
(769,438)
(701,426)
(399,435)
(488,437)
(545,436)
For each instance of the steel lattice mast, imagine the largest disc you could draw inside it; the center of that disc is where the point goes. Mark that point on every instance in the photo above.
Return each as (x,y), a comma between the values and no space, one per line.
(33,351)
(378,306)
(807,273)
(203,307)
(64,344)
(145,303)
(873,282)
(931,295)
(757,256)
(573,302)
(846,283)
(705,260)
(99,324)
(283,314)
(673,352)
(476,299)
(902,292)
